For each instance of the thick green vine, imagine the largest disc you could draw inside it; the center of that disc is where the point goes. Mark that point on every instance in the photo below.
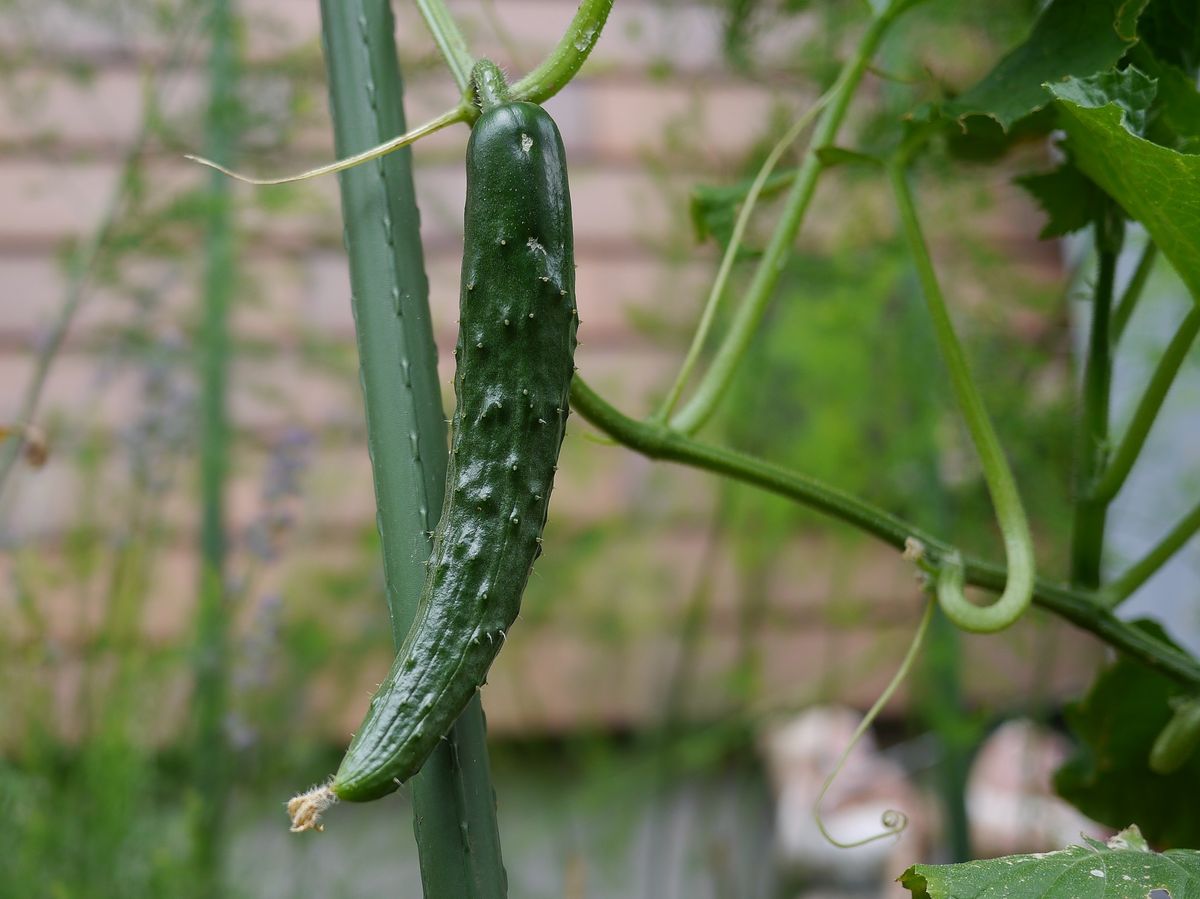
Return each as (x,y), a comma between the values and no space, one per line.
(1083,608)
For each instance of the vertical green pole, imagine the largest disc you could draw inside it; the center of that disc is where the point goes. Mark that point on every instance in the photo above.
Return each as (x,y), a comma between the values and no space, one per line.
(454,805)
(209,754)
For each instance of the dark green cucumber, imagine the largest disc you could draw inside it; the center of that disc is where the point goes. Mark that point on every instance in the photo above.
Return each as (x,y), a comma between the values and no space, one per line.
(514,363)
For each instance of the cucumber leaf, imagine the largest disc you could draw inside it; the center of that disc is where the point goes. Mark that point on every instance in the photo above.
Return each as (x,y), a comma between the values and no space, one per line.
(1176,114)
(1129,90)
(1158,186)
(1070,38)
(1122,868)
(1070,199)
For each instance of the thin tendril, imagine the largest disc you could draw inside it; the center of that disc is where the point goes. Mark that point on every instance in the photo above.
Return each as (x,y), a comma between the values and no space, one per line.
(458,114)
(731,251)
(894,822)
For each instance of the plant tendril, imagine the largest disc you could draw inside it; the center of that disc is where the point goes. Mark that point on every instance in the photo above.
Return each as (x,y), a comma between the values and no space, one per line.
(461,113)
(894,822)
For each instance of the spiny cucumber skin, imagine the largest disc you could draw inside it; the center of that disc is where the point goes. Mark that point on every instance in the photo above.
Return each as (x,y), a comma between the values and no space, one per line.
(515,359)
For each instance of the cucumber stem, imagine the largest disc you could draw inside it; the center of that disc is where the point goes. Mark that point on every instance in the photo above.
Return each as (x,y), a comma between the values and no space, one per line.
(489,86)
(566,59)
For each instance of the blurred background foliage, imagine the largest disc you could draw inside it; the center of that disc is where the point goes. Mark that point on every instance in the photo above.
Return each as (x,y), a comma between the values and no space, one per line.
(843,383)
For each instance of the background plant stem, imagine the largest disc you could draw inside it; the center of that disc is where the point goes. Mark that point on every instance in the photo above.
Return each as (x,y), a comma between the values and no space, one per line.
(1087,536)
(712,387)
(1148,407)
(450,41)
(80,268)
(1141,571)
(1133,291)
(211,780)
(453,800)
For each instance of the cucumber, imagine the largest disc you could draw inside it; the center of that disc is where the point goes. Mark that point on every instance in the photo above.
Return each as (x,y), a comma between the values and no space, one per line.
(514,363)
(1178,741)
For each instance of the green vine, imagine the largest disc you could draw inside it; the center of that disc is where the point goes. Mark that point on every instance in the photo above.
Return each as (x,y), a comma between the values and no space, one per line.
(1130,447)
(547,79)
(1141,571)
(1091,437)
(717,291)
(1010,513)
(1133,290)
(1082,608)
(450,41)
(568,56)
(894,822)
(716,380)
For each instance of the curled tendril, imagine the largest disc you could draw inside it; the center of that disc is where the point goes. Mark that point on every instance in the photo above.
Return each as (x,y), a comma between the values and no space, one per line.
(894,822)
(1018,591)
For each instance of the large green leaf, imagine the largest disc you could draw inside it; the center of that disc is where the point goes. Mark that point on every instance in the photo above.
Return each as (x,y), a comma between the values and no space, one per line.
(1109,779)
(1070,38)
(1128,89)
(1158,186)
(1123,868)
